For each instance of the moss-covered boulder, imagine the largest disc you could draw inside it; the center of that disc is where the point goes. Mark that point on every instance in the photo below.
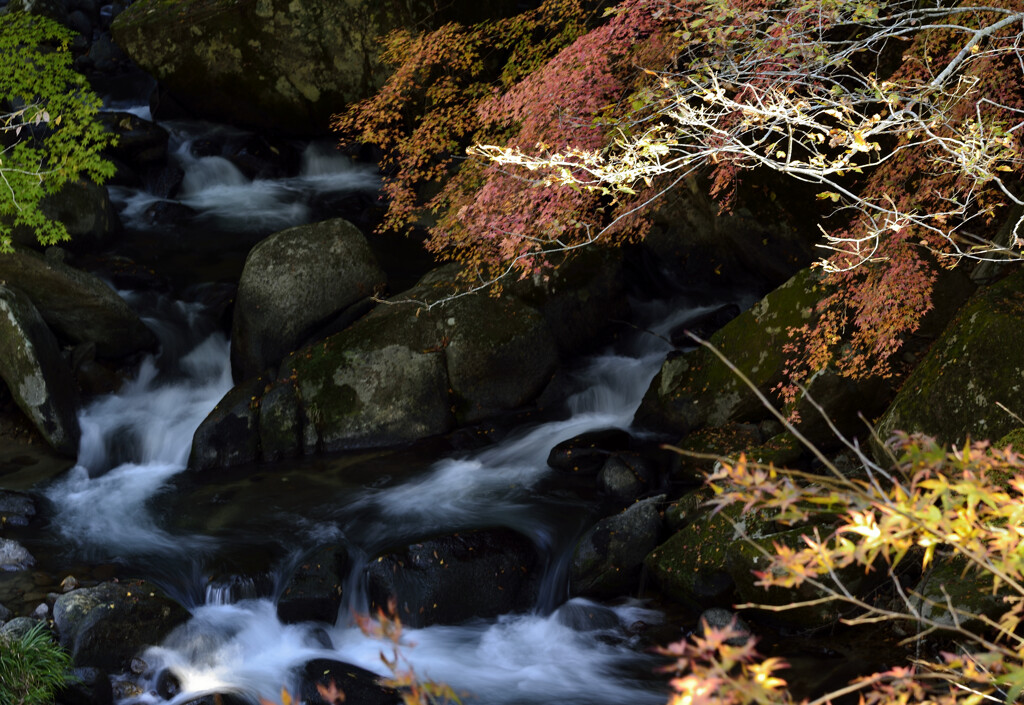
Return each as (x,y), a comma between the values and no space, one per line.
(283,64)
(973,365)
(39,379)
(293,282)
(951,580)
(692,567)
(696,389)
(79,307)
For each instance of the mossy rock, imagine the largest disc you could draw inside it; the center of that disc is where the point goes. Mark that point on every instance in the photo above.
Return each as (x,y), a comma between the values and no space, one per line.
(724,441)
(953,393)
(696,389)
(281,64)
(967,589)
(692,566)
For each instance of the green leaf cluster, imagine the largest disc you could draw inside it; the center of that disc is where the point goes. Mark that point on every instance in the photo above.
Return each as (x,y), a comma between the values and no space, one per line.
(32,667)
(49,134)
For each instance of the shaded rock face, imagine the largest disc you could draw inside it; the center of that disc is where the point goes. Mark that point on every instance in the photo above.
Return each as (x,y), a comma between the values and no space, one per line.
(292,283)
(85,210)
(608,559)
(975,363)
(105,626)
(358,684)
(77,305)
(454,578)
(38,377)
(314,590)
(282,64)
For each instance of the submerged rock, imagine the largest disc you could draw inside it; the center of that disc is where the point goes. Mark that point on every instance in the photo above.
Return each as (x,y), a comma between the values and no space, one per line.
(361,687)
(38,377)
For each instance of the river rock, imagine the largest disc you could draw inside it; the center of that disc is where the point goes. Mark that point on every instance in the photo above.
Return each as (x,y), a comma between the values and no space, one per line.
(85,209)
(77,305)
(313,592)
(625,477)
(141,144)
(281,64)
(454,578)
(293,282)
(16,508)
(107,625)
(953,392)
(37,376)
(14,556)
(609,558)
(361,687)
(587,453)
(229,435)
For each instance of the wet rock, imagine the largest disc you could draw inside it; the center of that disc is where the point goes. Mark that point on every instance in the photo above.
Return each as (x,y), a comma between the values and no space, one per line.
(86,686)
(609,558)
(14,556)
(141,144)
(77,305)
(107,625)
(280,422)
(229,435)
(85,210)
(313,593)
(586,616)
(359,685)
(294,281)
(587,453)
(951,579)
(454,578)
(18,627)
(703,325)
(16,508)
(5,614)
(262,157)
(36,375)
(288,65)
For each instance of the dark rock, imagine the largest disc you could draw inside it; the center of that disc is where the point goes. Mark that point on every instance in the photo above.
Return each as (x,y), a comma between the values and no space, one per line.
(361,687)
(587,453)
(625,477)
(229,435)
(294,281)
(36,375)
(77,305)
(720,618)
(16,508)
(105,626)
(280,423)
(85,210)
(703,325)
(262,157)
(313,593)
(18,627)
(141,144)
(79,22)
(454,578)
(608,558)
(168,213)
(86,686)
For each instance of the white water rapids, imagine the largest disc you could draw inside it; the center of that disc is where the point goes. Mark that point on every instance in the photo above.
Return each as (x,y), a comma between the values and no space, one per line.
(135,442)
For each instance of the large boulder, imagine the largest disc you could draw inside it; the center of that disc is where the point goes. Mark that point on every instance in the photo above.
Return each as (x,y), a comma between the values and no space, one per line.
(77,305)
(454,578)
(282,64)
(38,377)
(954,392)
(293,282)
(401,373)
(85,209)
(107,625)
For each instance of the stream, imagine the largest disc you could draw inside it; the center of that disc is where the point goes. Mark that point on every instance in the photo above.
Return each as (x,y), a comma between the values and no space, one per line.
(225,547)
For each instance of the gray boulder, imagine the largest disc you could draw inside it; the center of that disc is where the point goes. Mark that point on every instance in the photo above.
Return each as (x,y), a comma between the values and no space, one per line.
(38,377)
(77,305)
(107,625)
(293,282)
(283,64)
(14,556)
(609,558)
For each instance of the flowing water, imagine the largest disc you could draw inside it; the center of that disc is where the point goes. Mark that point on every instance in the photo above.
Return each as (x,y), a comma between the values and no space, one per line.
(118,503)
